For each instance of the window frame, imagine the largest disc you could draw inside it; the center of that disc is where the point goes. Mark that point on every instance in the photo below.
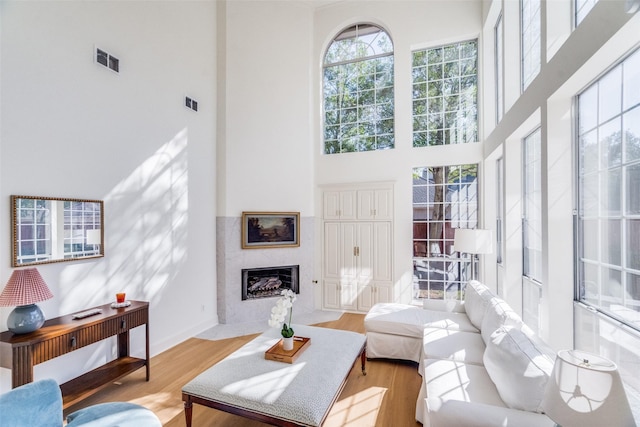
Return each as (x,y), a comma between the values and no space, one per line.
(425,111)
(532,272)
(450,268)
(526,80)
(584,212)
(498,46)
(367,126)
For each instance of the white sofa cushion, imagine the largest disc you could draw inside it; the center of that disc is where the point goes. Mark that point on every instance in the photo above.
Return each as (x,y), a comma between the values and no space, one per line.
(518,368)
(409,320)
(453,305)
(456,413)
(450,380)
(498,314)
(455,345)
(476,301)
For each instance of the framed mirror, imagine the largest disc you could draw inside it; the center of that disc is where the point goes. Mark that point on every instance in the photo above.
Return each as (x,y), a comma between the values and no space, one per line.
(47,229)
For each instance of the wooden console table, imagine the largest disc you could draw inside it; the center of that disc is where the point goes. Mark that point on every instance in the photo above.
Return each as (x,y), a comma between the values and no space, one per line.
(64,334)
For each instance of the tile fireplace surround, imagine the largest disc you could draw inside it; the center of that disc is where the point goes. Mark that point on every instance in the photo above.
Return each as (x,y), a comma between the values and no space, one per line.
(231,259)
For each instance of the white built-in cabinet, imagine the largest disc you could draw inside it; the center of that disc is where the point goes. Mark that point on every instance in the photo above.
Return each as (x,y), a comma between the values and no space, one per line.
(357,247)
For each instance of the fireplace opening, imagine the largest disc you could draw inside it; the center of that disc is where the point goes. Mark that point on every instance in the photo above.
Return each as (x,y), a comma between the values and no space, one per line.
(269,281)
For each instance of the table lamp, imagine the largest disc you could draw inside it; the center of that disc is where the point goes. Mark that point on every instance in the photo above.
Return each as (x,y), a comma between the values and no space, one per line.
(23,290)
(585,390)
(473,241)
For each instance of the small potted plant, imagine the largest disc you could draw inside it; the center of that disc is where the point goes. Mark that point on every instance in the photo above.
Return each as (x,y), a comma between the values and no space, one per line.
(279,313)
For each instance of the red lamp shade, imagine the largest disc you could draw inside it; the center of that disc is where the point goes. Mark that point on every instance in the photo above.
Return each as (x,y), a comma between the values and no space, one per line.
(24,287)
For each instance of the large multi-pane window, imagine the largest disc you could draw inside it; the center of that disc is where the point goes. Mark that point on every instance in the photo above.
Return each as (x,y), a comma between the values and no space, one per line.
(445,94)
(444,198)
(609,192)
(498,34)
(530,40)
(582,8)
(358,91)
(532,206)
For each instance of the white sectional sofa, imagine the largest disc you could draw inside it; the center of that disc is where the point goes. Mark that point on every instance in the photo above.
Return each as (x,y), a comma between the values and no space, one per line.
(481,366)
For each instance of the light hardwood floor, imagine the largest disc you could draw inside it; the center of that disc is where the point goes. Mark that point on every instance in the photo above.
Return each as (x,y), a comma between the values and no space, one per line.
(386,396)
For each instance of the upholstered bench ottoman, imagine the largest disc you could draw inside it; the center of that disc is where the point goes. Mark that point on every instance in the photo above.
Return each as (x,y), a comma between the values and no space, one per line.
(395,331)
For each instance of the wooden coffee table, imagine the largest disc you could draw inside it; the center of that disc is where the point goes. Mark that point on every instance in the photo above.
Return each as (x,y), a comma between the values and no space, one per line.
(281,394)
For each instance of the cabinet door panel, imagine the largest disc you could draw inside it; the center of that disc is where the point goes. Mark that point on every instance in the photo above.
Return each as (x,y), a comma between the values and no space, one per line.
(331,205)
(383,204)
(366,204)
(384,292)
(381,248)
(365,251)
(331,294)
(348,204)
(332,249)
(348,295)
(365,297)
(348,268)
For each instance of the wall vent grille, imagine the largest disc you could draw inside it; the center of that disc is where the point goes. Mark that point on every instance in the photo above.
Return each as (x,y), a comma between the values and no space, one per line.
(107,60)
(191,103)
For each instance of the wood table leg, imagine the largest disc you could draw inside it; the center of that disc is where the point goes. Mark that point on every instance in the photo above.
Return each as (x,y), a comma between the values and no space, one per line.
(363,360)
(188,411)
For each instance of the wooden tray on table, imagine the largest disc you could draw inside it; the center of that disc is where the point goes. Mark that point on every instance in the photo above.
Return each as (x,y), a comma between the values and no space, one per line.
(288,356)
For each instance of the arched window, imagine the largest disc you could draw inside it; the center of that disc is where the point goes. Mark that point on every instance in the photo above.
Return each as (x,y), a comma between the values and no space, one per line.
(358,91)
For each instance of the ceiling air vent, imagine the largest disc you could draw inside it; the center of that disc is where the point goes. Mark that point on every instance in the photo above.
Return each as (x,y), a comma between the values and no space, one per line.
(107,60)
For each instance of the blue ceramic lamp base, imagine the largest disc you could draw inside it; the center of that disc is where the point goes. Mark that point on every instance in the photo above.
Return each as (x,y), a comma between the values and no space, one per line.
(25,318)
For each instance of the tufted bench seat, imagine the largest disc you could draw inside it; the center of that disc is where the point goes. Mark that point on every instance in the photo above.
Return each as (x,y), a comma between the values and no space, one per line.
(396,331)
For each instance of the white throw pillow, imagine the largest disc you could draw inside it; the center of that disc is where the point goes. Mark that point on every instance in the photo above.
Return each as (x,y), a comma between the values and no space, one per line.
(518,368)
(498,314)
(476,300)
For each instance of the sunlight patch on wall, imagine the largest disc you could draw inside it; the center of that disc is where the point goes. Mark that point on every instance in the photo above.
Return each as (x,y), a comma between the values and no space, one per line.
(146,218)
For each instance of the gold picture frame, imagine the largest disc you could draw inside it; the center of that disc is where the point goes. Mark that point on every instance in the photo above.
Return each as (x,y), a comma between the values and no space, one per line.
(270,230)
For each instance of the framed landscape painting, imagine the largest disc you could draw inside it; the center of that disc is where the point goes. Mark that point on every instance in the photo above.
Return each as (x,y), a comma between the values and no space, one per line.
(270,230)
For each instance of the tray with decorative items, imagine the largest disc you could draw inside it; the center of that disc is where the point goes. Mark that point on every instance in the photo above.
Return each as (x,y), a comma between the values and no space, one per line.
(277,353)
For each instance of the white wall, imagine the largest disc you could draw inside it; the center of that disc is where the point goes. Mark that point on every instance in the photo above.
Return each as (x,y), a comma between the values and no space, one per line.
(72,128)
(411,25)
(267,146)
(264,144)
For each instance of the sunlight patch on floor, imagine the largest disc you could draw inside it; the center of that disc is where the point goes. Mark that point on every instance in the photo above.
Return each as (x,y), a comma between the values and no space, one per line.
(162,404)
(360,409)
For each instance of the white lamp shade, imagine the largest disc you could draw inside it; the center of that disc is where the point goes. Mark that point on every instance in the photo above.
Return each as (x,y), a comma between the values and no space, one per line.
(586,390)
(473,241)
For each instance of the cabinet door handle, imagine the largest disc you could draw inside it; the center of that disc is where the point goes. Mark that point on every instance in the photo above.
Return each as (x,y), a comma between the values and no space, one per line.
(355,251)
(73,342)
(123,324)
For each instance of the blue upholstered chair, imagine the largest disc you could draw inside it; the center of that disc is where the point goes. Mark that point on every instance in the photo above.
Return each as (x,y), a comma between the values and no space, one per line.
(39,404)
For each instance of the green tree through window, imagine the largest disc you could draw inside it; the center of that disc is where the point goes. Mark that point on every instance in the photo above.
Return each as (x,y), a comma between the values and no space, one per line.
(358,91)
(445,95)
